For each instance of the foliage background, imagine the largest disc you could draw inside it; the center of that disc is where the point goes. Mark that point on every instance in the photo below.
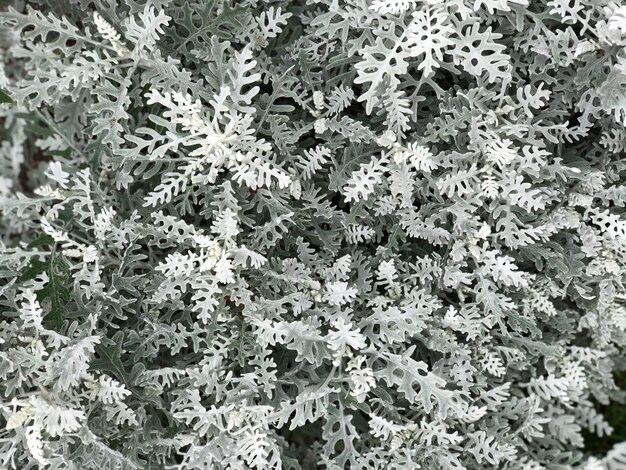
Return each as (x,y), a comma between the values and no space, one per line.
(317,234)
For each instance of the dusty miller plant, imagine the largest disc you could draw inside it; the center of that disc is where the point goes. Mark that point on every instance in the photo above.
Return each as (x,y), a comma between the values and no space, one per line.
(263,234)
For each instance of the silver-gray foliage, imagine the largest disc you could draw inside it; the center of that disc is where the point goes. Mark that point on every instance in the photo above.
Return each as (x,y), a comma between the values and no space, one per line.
(263,234)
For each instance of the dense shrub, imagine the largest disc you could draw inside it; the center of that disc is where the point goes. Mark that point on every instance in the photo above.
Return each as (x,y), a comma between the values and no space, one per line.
(368,234)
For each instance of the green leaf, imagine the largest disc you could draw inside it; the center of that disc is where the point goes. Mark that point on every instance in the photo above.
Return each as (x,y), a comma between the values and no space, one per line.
(43,240)
(36,125)
(39,130)
(60,153)
(4,98)
(109,357)
(36,267)
(56,289)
